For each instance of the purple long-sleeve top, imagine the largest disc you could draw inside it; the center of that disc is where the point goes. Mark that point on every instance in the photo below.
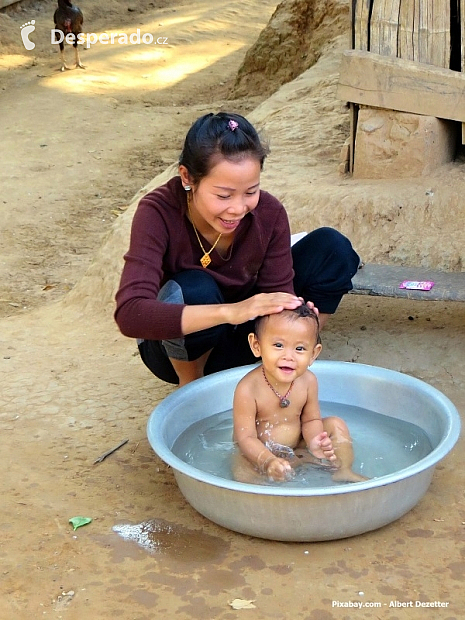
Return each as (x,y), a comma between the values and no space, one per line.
(163,243)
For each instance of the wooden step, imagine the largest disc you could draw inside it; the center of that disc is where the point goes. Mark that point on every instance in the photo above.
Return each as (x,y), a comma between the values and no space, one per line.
(384,281)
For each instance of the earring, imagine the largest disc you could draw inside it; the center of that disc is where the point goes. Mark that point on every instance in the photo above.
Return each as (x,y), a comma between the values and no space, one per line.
(187,188)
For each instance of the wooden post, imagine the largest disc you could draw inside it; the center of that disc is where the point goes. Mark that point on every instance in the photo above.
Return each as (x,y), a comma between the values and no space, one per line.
(423,22)
(439,43)
(375,26)
(390,28)
(352,23)
(406,20)
(362,24)
(462,32)
(462,49)
(353,115)
(384,27)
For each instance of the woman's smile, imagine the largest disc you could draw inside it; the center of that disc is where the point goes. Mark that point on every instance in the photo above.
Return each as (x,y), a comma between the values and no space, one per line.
(230,225)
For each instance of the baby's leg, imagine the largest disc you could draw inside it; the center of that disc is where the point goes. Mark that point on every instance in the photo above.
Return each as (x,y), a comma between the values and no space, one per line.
(244,471)
(342,444)
(304,457)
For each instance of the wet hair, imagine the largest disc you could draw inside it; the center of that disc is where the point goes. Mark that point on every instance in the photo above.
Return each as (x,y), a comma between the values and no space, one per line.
(302,311)
(211,137)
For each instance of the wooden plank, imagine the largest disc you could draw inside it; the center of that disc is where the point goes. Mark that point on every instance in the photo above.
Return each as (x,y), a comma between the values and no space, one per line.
(362,24)
(420,50)
(462,32)
(353,116)
(384,280)
(390,29)
(384,26)
(439,40)
(397,84)
(352,23)
(375,26)
(446,33)
(462,48)
(406,22)
(434,43)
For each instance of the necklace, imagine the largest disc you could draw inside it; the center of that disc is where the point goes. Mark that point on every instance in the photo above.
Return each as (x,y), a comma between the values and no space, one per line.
(205,260)
(283,400)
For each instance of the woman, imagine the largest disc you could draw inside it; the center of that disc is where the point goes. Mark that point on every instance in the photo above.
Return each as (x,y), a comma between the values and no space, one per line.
(210,251)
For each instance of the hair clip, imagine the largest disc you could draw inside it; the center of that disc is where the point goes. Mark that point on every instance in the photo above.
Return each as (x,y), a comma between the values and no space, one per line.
(233,125)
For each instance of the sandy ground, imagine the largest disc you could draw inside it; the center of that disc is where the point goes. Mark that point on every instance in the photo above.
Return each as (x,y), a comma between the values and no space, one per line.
(77,146)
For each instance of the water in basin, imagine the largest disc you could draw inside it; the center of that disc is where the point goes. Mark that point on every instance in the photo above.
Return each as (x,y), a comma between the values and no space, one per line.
(382,445)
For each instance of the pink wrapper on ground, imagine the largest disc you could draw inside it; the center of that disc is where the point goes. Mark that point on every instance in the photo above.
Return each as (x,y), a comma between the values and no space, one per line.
(417,286)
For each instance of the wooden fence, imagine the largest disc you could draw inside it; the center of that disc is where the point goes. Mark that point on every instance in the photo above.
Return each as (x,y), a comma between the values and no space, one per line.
(407,55)
(418,30)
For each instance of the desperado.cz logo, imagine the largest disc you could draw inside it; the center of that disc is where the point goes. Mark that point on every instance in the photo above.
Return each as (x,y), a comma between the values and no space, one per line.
(26,30)
(105,38)
(88,39)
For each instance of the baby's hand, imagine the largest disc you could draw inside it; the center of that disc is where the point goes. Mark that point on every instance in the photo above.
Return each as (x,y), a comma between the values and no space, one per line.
(279,469)
(322,447)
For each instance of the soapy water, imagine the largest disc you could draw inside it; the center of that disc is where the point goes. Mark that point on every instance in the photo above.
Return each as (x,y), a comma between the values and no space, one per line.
(382,445)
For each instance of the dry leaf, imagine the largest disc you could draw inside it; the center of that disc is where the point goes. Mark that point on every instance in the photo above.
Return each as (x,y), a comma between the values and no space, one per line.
(239,603)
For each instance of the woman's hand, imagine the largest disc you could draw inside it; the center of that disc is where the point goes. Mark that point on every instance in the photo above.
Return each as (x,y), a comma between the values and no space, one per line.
(260,305)
(312,306)
(196,318)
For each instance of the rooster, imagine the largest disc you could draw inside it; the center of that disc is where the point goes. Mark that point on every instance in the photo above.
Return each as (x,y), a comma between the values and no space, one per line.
(69,19)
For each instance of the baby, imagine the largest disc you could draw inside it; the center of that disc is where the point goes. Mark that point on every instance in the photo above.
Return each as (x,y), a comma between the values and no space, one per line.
(277,420)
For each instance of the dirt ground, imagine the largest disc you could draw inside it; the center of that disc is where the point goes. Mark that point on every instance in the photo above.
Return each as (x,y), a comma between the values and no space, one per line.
(76,148)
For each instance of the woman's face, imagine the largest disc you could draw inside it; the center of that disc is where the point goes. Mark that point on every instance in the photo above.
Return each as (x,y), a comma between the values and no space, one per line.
(222,198)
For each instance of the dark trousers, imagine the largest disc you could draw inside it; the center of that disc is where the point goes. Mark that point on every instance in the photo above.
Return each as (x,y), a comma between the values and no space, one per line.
(324,264)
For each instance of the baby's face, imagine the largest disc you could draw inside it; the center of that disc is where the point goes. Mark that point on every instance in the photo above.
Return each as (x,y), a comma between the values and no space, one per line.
(288,347)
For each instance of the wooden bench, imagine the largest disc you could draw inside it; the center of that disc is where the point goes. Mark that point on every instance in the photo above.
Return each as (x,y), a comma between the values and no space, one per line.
(384,280)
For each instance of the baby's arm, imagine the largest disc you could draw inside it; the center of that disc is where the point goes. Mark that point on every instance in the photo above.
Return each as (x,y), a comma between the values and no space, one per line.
(245,433)
(317,440)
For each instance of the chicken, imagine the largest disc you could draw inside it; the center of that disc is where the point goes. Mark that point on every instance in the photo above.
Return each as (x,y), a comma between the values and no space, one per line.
(69,19)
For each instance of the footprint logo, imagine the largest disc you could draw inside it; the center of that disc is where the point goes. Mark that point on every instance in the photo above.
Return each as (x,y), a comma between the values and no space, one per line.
(26,30)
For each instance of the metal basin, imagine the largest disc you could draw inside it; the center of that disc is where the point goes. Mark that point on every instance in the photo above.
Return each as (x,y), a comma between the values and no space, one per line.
(313,514)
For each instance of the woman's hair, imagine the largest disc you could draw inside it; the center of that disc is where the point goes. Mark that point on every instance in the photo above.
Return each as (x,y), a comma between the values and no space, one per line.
(214,136)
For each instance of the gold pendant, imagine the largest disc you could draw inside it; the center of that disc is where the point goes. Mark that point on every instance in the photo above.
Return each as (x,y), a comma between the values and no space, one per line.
(205,260)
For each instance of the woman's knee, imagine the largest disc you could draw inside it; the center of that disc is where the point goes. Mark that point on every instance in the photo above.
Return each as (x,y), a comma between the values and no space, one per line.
(198,288)
(324,265)
(324,243)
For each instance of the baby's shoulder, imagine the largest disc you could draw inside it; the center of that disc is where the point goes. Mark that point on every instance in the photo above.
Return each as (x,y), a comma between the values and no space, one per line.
(248,381)
(308,380)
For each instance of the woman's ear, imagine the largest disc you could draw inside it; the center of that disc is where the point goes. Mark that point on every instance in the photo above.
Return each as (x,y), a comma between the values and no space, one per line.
(254,345)
(185,176)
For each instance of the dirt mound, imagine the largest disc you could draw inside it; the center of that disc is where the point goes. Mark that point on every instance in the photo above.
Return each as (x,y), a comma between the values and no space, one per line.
(8,35)
(291,43)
